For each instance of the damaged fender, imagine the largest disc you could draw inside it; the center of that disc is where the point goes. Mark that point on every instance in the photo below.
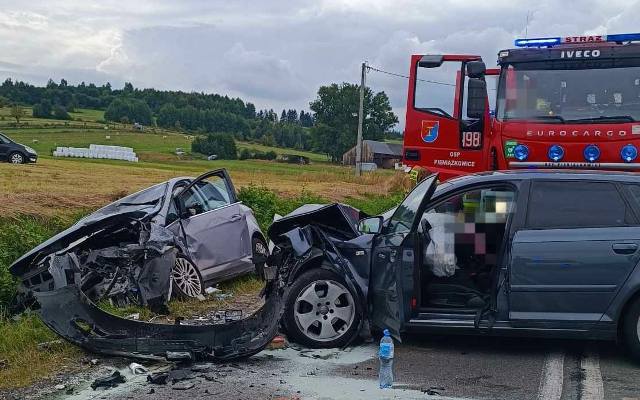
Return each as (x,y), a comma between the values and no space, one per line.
(324,236)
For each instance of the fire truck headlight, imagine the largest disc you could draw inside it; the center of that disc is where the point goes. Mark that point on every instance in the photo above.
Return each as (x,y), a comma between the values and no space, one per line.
(556,152)
(591,153)
(521,152)
(629,153)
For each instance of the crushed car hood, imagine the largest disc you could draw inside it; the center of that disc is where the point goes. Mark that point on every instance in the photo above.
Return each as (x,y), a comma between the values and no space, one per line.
(134,207)
(337,218)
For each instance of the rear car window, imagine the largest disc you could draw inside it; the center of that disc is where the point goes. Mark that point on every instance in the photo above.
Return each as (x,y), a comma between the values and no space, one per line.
(576,205)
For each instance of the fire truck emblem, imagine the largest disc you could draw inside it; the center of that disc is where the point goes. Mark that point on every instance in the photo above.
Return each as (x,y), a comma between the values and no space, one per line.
(429,131)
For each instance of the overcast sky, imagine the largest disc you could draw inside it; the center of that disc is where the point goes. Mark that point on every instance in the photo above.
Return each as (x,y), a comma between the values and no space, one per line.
(273,53)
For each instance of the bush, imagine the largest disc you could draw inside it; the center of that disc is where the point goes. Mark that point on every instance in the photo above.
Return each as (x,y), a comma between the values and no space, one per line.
(42,109)
(245,154)
(60,112)
(265,203)
(221,144)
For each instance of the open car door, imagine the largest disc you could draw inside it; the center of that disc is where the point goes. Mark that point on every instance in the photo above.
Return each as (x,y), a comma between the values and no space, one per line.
(447,119)
(214,227)
(391,285)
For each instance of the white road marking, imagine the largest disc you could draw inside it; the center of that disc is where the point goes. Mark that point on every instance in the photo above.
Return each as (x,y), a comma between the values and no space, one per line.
(552,377)
(592,387)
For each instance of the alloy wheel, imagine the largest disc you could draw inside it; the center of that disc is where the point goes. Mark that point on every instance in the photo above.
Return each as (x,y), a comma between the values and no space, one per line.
(16,158)
(324,310)
(186,278)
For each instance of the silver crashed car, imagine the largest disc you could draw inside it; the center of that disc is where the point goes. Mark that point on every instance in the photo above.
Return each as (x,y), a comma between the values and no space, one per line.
(216,238)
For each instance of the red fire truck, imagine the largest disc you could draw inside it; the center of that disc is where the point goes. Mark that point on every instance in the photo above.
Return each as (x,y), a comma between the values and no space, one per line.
(558,102)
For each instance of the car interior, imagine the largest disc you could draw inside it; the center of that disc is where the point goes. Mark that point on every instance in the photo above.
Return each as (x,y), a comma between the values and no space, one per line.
(463,240)
(206,196)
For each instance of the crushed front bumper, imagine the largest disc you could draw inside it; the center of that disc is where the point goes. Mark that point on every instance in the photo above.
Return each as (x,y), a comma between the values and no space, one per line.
(72,315)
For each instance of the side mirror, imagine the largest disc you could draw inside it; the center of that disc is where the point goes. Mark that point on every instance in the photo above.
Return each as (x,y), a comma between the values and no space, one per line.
(476,98)
(476,69)
(370,225)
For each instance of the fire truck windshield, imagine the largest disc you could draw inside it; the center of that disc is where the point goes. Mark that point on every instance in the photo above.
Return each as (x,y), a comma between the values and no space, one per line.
(534,91)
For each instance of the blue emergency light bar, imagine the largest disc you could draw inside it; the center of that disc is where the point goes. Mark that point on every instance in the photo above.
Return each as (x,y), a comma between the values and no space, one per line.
(586,39)
(538,42)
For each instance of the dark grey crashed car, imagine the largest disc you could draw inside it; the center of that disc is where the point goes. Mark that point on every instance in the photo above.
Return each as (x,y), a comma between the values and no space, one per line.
(551,254)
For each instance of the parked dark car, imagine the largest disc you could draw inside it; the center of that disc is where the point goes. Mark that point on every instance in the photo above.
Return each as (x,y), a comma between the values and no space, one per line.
(550,254)
(216,237)
(16,153)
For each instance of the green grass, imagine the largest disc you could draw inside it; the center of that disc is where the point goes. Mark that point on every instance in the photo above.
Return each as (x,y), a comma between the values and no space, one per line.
(44,140)
(81,114)
(25,362)
(314,157)
(146,143)
(85,114)
(17,236)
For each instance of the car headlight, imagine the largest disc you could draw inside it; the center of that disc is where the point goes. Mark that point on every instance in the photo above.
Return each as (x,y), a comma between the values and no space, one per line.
(30,150)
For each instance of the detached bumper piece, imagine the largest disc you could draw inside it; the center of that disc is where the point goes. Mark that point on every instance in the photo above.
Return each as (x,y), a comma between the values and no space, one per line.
(72,315)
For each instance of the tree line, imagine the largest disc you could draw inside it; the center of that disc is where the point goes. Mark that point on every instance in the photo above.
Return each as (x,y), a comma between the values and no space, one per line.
(329,128)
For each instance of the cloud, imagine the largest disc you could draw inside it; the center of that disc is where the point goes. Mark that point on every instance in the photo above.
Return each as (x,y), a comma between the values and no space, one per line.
(274,53)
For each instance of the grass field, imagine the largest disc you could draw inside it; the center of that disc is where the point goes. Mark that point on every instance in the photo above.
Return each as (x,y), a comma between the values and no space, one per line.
(37,200)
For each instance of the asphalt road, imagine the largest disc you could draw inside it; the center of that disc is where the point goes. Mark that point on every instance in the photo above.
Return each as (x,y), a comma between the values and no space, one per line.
(425,367)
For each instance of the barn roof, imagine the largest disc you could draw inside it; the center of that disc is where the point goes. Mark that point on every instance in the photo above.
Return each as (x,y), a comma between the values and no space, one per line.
(392,149)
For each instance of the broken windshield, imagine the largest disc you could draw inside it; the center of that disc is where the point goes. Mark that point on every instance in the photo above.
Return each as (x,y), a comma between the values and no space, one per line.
(535,91)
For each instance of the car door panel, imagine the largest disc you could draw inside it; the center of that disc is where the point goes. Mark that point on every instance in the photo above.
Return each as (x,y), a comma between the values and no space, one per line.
(386,281)
(393,262)
(569,274)
(217,237)
(4,150)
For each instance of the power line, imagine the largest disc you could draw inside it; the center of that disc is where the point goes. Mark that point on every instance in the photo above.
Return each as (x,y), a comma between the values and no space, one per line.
(369,67)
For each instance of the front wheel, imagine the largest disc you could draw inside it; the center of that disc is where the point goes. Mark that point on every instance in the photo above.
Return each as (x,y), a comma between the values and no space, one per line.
(321,311)
(16,158)
(187,282)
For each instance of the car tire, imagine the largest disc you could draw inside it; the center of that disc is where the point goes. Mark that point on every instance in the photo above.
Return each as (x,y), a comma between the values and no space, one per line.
(186,279)
(631,330)
(313,319)
(16,158)
(259,249)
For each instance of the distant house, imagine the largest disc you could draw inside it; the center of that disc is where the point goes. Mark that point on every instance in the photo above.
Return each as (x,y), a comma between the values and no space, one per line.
(383,154)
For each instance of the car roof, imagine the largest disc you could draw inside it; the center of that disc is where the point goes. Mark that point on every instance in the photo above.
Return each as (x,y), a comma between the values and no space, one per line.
(533,174)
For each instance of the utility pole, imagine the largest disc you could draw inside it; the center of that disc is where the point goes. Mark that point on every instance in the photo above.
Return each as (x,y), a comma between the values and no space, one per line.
(360,120)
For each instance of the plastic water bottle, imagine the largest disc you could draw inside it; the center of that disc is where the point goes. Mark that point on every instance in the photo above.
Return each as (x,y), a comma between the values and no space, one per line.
(385,354)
